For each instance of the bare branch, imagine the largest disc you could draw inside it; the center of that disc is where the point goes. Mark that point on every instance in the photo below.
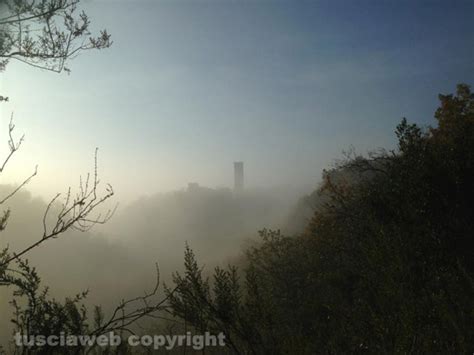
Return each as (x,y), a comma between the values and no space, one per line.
(19,187)
(141,307)
(12,143)
(75,214)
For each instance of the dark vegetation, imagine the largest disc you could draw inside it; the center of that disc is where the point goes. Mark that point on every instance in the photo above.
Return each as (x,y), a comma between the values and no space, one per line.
(384,264)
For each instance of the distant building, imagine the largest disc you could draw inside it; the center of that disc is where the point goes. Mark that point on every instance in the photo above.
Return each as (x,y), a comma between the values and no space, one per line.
(193,186)
(238,176)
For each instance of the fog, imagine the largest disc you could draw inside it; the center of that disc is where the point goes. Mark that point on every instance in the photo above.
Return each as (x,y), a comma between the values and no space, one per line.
(117,260)
(171,94)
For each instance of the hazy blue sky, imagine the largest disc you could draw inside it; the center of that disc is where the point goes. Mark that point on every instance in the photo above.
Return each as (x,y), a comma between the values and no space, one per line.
(190,86)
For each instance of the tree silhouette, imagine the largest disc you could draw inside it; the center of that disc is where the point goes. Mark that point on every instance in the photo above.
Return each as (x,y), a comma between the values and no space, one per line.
(46,34)
(384,266)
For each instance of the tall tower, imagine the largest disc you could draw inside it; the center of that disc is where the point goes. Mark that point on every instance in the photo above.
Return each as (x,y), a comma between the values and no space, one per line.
(238,175)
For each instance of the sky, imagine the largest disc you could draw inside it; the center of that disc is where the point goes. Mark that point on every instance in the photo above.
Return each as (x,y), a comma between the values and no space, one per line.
(188,87)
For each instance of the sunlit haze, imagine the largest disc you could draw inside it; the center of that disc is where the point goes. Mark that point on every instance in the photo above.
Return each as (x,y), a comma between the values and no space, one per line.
(189,87)
(293,177)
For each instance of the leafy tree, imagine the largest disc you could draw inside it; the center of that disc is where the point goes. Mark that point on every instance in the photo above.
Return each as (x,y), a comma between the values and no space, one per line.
(384,266)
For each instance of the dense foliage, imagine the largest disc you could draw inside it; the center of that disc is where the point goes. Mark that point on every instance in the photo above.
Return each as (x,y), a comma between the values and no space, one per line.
(384,266)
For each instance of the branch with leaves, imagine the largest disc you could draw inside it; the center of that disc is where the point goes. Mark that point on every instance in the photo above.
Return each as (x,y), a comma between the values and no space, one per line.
(46,33)
(42,315)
